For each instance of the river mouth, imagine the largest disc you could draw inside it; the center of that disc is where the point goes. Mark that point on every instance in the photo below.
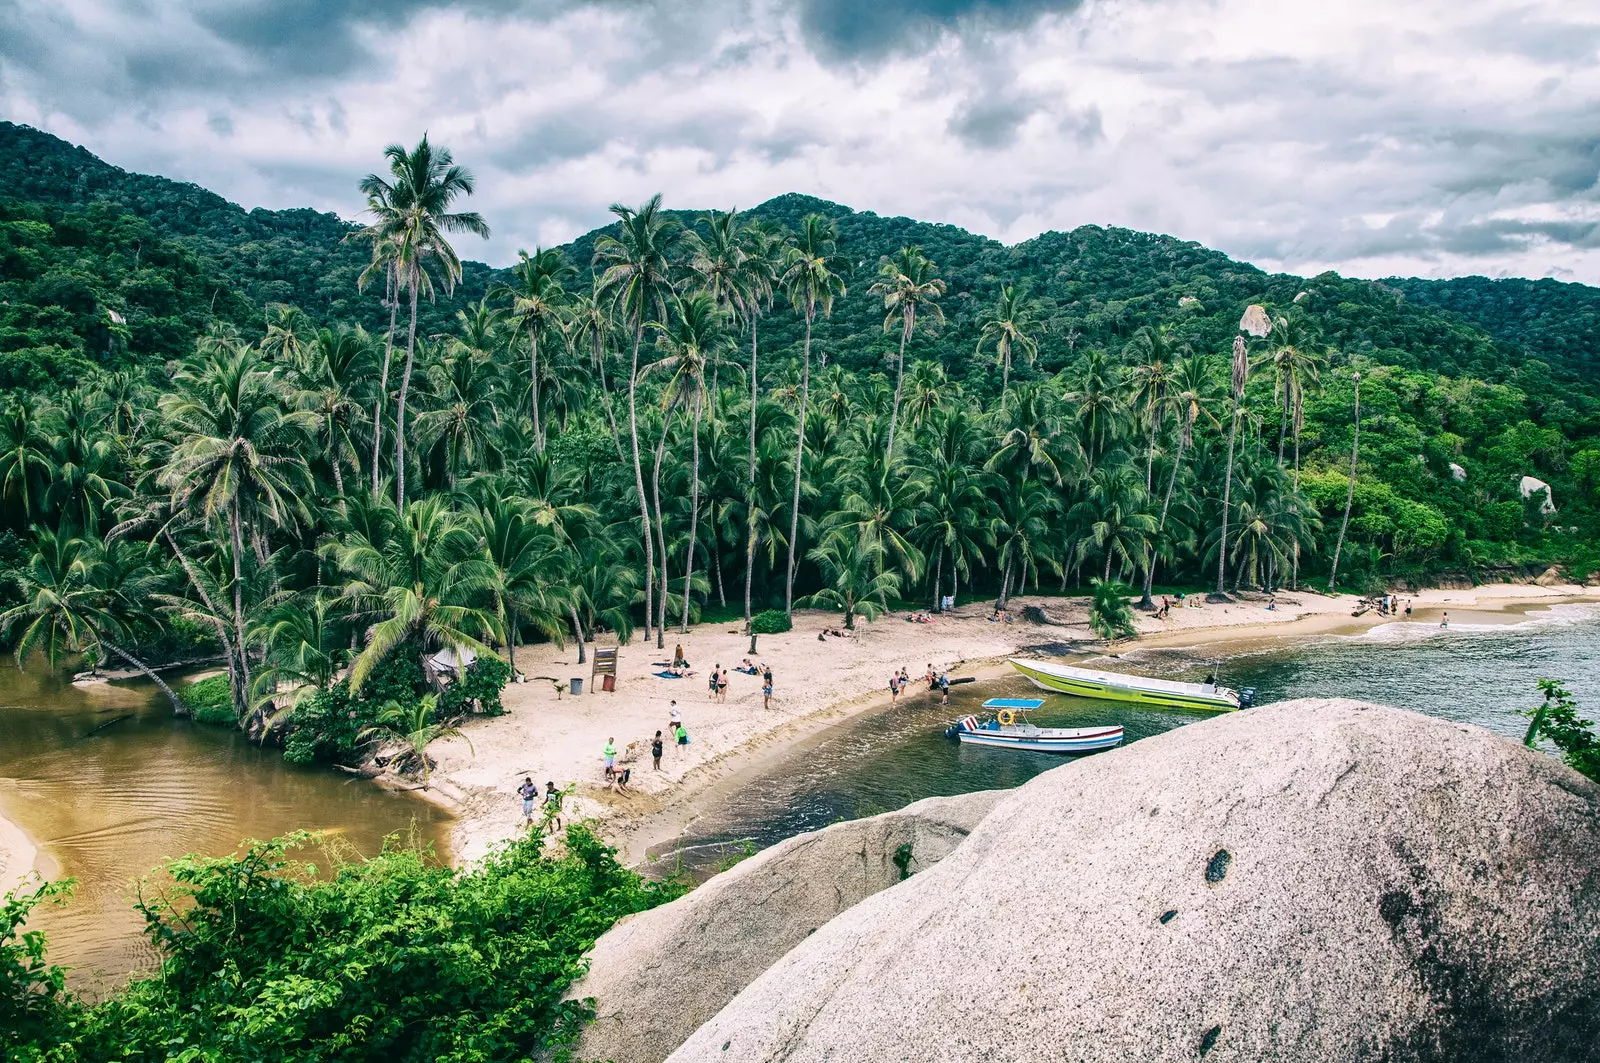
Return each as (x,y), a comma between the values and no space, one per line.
(106,807)
(1483,669)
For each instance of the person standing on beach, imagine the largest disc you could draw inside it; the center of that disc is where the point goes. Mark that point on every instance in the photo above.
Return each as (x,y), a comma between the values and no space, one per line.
(766,688)
(528,792)
(655,752)
(674,718)
(894,689)
(610,752)
(716,678)
(944,689)
(682,735)
(552,804)
(1445,622)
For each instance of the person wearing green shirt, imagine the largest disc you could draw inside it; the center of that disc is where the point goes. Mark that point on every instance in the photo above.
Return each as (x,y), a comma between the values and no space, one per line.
(610,753)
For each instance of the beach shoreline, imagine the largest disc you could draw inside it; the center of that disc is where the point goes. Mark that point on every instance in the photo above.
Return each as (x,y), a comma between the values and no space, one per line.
(549,738)
(18,856)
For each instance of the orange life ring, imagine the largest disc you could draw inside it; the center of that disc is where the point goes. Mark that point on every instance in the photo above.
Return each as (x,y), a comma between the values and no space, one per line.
(1006,717)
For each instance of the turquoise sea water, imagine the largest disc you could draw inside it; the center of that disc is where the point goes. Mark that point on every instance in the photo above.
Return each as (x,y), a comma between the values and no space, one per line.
(1481,674)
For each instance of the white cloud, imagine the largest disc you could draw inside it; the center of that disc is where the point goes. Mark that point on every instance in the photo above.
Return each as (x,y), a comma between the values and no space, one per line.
(1437,137)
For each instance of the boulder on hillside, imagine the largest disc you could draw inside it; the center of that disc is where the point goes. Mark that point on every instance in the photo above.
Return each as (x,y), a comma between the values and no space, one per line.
(1552,577)
(657,976)
(1307,881)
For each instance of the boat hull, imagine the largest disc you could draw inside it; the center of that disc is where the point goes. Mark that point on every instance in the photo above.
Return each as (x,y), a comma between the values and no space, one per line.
(1093,741)
(1089,687)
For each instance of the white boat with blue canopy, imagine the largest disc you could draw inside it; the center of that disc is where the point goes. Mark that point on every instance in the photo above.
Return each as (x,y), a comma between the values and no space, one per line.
(1010,730)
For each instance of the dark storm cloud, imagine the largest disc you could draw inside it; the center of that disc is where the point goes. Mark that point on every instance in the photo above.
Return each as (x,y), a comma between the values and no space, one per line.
(862,30)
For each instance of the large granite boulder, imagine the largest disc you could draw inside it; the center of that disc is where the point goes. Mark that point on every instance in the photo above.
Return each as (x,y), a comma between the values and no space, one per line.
(657,976)
(1307,881)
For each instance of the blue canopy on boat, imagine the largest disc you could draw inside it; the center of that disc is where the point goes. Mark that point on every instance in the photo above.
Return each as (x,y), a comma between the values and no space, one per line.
(1013,703)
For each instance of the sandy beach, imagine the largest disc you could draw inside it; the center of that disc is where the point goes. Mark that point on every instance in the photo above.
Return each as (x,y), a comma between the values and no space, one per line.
(17,855)
(816,684)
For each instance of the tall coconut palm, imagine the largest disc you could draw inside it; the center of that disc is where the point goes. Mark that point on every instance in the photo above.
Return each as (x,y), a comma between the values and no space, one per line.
(1350,489)
(238,462)
(384,245)
(811,281)
(463,384)
(424,584)
(1021,527)
(1191,396)
(327,385)
(26,462)
(289,332)
(588,325)
(527,565)
(1155,350)
(1008,328)
(1241,373)
(909,283)
(411,210)
(537,298)
(1115,513)
(635,270)
(691,338)
(1295,365)
(855,580)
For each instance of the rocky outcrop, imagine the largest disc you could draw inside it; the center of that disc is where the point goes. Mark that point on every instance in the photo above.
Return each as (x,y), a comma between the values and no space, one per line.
(1307,881)
(657,976)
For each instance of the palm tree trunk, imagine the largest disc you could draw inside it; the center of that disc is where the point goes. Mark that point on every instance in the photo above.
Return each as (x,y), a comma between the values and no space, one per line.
(938,578)
(511,642)
(1283,426)
(1166,503)
(1227,500)
(577,630)
(661,528)
(405,389)
(694,511)
(241,697)
(716,559)
(178,707)
(236,685)
(955,578)
(899,378)
(338,477)
(533,348)
(1005,372)
(1294,573)
(1350,492)
(392,286)
(605,393)
(1005,584)
(750,500)
(799,462)
(638,484)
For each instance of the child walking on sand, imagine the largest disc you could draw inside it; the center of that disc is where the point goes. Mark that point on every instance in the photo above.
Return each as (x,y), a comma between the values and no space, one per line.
(766,688)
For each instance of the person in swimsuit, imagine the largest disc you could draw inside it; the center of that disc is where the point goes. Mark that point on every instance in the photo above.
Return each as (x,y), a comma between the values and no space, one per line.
(766,688)
(655,752)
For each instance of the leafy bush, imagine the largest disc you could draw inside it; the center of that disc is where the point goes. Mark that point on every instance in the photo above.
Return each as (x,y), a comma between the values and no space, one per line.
(265,958)
(771,622)
(33,1004)
(1558,720)
(210,701)
(327,726)
(1110,615)
(482,684)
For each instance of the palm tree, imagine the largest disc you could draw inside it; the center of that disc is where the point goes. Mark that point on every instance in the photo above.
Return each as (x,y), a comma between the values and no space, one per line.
(635,271)
(26,467)
(1241,372)
(1022,527)
(1350,490)
(88,473)
(426,584)
(76,594)
(1192,388)
(465,388)
(238,462)
(527,564)
(1008,328)
(1115,514)
(414,726)
(691,337)
(1155,350)
(537,298)
(908,284)
(958,525)
(811,281)
(856,581)
(588,323)
(412,211)
(384,245)
(289,331)
(333,364)
(1110,617)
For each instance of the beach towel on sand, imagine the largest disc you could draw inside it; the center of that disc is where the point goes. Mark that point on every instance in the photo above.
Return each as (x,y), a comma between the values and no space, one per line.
(667,675)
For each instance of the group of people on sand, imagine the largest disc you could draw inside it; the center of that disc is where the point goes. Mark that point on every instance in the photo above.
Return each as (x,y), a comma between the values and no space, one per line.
(831,633)
(936,680)
(552,802)
(919,617)
(1000,616)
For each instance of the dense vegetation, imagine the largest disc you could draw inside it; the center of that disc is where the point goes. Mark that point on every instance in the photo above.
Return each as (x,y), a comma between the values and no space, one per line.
(392,451)
(266,958)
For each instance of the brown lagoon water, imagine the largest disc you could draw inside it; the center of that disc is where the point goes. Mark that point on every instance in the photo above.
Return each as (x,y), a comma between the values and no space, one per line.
(108,808)
(1481,674)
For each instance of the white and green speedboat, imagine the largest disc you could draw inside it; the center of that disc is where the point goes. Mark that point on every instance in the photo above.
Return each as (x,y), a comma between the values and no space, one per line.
(1117,686)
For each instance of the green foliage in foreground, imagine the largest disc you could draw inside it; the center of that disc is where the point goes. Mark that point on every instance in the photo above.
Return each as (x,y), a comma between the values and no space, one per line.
(1110,615)
(1558,720)
(395,958)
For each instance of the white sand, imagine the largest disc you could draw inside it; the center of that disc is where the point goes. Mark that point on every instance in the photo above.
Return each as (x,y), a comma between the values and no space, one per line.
(16,856)
(816,684)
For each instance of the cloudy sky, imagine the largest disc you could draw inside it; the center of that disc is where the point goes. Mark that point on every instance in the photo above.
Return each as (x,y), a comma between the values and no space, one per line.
(1430,137)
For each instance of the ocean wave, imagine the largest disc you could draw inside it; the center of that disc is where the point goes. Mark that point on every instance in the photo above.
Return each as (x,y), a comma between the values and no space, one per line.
(1556,616)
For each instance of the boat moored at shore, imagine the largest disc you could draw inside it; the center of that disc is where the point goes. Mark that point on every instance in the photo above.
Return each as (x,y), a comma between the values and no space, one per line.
(1009,730)
(1118,686)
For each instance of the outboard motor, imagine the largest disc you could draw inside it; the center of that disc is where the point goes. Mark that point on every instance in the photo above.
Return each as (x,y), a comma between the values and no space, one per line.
(1247,697)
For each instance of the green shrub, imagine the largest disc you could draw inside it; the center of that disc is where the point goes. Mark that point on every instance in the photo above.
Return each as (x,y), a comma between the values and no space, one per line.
(397,957)
(327,725)
(771,622)
(483,682)
(210,700)
(1110,615)
(33,1001)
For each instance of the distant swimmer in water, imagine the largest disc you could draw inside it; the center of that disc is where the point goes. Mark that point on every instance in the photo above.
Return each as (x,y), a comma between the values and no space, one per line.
(1445,622)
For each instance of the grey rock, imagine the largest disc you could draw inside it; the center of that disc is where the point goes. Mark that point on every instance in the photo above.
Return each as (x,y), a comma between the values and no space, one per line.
(657,976)
(1307,881)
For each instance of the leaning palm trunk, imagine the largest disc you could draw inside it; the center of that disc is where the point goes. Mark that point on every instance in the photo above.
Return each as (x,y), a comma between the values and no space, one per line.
(405,389)
(577,631)
(178,707)
(750,500)
(899,378)
(237,689)
(391,283)
(638,485)
(1005,584)
(694,512)
(799,462)
(1350,491)
(661,531)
